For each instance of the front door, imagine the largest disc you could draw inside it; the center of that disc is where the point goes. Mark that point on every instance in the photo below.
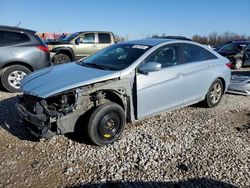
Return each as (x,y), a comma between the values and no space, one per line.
(87,45)
(164,89)
(247,56)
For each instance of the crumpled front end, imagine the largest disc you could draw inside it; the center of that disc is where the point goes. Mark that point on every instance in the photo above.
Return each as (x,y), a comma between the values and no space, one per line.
(41,115)
(239,85)
(59,113)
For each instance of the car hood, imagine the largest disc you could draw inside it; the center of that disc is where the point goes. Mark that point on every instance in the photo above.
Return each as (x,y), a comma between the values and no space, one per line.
(52,80)
(57,42)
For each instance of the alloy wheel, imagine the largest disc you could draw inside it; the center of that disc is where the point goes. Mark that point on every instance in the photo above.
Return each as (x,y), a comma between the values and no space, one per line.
(15,78)
(216,93)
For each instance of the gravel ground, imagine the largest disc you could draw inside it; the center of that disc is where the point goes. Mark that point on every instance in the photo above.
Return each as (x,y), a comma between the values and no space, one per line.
(190,147)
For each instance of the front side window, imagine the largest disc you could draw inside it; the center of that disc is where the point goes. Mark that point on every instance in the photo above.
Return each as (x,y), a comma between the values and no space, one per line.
(7,37)
(247,47)
(166,56)
(88,38)
(193,53)
(115,57)
(104,38)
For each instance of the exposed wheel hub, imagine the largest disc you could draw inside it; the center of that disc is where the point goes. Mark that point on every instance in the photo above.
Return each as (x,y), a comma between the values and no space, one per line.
(109,125)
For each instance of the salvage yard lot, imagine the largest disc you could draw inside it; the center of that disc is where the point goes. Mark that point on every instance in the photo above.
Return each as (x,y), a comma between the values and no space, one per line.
(190,146)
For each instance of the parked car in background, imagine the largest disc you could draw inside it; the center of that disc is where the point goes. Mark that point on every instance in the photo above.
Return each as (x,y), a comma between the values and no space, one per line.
(21,52)
(122,83)
(240,83)
(236,52)
(79,45)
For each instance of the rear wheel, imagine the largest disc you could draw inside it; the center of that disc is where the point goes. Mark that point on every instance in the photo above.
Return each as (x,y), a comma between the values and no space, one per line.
(238,64)
(61,58)
(214,94)
(11,77)
(106,124)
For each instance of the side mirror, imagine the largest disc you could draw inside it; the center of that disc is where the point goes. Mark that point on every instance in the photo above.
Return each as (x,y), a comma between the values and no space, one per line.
(149,67)
(78,41)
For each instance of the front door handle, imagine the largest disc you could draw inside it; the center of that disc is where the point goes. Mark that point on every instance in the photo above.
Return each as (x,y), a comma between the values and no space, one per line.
(180,75)
(93,46)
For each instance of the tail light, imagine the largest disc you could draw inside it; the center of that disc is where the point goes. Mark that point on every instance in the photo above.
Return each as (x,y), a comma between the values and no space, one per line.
(44,48)
(229,65)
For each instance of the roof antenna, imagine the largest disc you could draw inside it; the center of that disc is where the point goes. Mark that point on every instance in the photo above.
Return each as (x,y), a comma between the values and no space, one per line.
(19,23)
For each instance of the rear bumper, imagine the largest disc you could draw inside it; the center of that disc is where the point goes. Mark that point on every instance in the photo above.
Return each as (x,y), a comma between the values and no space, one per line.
(43,62)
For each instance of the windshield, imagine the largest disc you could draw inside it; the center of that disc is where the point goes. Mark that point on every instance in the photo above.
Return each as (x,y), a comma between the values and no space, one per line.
(70,37)
(116,57)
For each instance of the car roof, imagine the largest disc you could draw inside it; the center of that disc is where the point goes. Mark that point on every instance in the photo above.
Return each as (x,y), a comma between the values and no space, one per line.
(13,28)
(241,41)
(150,41)
(80,32)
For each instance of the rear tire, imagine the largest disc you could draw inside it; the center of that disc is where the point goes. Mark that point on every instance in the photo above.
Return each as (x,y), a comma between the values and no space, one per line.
(12,75)
(106,124)
(60,59)
(238,64)
(214,94)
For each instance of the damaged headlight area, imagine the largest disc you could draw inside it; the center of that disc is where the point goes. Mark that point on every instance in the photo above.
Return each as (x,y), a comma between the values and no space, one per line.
(60,105)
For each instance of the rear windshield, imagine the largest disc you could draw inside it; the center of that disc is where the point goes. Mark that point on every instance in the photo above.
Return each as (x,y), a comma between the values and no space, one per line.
(8,37)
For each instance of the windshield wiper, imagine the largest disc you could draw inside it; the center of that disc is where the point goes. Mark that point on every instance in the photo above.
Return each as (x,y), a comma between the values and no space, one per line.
(95,65)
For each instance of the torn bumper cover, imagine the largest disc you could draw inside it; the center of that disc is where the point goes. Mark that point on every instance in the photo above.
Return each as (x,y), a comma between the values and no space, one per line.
(239,85)
(35,123)
(43,117)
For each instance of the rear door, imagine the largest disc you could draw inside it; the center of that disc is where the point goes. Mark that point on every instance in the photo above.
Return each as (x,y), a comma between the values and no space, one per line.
(199,65)
(17,46)
(104,40)
(161,90)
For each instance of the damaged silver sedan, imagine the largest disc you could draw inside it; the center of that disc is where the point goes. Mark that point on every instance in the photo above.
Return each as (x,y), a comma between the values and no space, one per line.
(122,83)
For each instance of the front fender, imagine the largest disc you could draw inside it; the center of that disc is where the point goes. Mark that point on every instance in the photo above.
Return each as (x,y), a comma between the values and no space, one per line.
(64,49)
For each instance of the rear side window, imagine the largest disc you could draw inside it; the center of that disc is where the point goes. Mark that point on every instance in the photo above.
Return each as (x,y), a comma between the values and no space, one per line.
(193,53)
(7,38)
(167,56)
(104,38)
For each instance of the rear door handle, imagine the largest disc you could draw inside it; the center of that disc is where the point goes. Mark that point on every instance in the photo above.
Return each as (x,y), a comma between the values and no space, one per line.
(211,65)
